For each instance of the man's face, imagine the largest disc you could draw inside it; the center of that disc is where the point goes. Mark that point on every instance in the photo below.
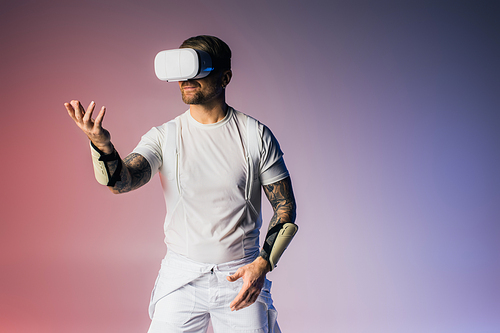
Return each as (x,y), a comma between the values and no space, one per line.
(202,91)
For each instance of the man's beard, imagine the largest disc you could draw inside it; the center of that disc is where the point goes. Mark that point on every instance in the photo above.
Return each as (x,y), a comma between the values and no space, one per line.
(198,98)
(201,97)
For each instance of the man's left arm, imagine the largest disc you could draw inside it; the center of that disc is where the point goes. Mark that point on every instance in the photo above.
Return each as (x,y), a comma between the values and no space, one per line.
(280,195)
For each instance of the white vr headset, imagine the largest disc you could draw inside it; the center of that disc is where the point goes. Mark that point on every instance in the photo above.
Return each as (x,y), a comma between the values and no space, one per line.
(182,65)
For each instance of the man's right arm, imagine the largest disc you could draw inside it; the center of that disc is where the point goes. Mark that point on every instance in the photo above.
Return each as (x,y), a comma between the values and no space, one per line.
(135,169)
(135,172)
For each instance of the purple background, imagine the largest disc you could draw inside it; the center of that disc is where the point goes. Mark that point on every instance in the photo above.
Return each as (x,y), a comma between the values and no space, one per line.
(388,114)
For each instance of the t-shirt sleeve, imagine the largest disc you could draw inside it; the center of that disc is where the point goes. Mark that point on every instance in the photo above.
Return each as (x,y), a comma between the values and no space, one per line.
(151,147)
(272,164)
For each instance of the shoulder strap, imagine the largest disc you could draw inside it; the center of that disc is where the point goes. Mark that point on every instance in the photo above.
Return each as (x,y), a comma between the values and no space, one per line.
(171,135)
(171,156)
(253,154)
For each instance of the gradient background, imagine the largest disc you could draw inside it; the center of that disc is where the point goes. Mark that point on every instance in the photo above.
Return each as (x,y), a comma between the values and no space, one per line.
(388,114)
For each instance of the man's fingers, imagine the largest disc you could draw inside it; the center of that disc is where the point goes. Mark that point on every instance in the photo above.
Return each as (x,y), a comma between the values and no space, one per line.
(247,298)
(253,282)
(90,110)
(100,117)
(253,298)
(71,111)
(78,109)
(235,276)
(243,292)
(239,299)
(82,117)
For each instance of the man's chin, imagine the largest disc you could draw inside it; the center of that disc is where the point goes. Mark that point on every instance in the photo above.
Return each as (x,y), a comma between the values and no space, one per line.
(199,98)
(191,100)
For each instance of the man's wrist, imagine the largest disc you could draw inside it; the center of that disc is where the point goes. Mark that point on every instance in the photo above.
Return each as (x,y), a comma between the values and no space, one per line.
(105,149)
(263,263)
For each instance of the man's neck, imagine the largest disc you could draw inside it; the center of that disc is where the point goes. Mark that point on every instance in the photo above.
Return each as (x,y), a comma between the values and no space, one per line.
(209,113)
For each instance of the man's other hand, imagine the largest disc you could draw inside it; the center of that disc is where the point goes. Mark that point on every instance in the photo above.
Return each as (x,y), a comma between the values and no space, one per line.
(253,276)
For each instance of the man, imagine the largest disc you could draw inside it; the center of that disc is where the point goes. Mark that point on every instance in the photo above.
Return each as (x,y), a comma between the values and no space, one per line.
(213,268)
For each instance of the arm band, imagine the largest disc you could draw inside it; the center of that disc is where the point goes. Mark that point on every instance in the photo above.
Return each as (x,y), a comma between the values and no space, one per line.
(101,169)
(277,240)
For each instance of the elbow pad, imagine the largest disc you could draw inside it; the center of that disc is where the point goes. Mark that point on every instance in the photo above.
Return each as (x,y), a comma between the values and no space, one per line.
(277,240)
(101,170)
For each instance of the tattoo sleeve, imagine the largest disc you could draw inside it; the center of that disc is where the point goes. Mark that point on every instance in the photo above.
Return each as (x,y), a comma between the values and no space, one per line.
(135,172)
(280,195)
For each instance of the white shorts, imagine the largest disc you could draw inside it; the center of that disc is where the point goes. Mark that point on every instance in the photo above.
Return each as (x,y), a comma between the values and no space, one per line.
(188,294)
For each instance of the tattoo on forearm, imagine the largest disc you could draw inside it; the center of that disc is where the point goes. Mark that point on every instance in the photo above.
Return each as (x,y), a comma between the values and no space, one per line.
(135,173)
(280,195)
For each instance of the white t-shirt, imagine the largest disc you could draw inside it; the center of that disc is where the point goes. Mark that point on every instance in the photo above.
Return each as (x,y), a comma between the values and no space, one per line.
(208,217)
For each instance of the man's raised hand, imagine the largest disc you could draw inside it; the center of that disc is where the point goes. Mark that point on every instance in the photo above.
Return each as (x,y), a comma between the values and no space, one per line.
(92,128)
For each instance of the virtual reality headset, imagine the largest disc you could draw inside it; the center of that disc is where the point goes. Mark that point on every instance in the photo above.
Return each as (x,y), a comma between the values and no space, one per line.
(182,64)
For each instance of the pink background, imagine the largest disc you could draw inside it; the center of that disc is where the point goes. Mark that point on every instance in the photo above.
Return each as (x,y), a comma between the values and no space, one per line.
(388,114)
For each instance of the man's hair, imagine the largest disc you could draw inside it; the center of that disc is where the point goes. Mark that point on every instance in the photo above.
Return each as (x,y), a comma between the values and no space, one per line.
(215,47)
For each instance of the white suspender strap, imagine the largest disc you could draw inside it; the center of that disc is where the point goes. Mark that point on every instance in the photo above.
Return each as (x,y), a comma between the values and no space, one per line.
(172,151)
(253,154)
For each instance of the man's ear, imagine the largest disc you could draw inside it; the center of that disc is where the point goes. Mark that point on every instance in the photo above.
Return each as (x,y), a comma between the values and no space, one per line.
(226,77)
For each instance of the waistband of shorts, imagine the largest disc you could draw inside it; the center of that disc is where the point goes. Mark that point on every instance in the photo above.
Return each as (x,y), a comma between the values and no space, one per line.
(185,263)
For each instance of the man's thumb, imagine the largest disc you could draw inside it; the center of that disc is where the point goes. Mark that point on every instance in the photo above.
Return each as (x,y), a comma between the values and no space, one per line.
(234,277)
